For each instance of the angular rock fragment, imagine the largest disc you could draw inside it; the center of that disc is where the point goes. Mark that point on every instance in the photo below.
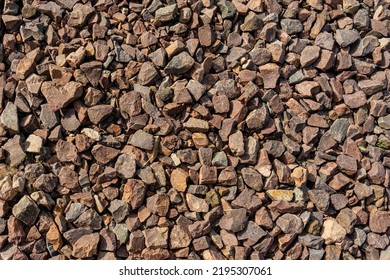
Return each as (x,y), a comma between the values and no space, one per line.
(26,210)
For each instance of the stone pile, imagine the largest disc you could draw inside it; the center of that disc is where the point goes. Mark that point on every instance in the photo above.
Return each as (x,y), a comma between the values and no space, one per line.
(194,129)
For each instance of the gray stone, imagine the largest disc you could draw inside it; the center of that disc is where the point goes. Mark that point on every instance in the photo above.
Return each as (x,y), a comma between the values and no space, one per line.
(338,130)
(26,210)
(179,64)
(119,209)
(9,118)
(125,165)
(234,220)
(291,26)
(384,122)
(346,37)
(166,14)
(143,140)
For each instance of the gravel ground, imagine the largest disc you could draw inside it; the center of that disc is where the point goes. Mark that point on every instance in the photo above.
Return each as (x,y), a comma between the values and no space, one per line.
(194,129)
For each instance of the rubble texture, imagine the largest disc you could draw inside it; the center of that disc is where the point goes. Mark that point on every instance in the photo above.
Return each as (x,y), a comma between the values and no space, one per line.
(194,129)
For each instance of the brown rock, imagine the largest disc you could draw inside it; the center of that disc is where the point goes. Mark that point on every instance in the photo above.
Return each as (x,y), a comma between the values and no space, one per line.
(156,237)
(206,35)
(196,204)
(270,73)
(379,221)
(104,154)
(86,246)
(25,67)
(53,237)
(60,98)
(234,220)
(179,179)
(208,175)
(98,113)
(179,237)
(355,100)
(309,55)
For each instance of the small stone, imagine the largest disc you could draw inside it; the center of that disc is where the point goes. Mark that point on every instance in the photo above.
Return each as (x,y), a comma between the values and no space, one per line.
(260,56)
(227,8)
(7,192)
(252,178)
(347,164)
(338,130)
(252,22)
(91,133)
(46,183)
(9,118)
(196,125)
(320,198)
(355,100)
(196,89)
(166,14)
(134,193)
(53,237)
(98,113)
(75,58)
(299,175)
(13,147)
(68,178)
(346,37)
(347,219)
(290,223)
(25,67)
(159,204)
(206,35)
(227,87)
(236,143)
(67,152)
(285,195)
(291,26)
(156,237)
(257,118)
(86,246)
(350,6)
(26,210)
(379,221)
(60,98)
(104,154)
(179,64)
(208,175)
(196,204)
(270,73)
(119,210)
(179,178)
(274,148)
(309,55)
(93,71)
(370,87)
(147,74)
(325,40)
(332,231)
(377,173)
(362,191)
(221,104)
(251,233)
(179,237)
(125,165)
(143,140)
(33,144)
(234,220)
(80,14)
(384,122)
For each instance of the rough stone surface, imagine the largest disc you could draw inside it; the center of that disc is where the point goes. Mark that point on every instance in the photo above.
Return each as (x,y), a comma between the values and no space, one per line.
(210,130)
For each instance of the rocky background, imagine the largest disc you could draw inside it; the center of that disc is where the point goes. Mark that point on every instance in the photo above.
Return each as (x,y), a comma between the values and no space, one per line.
(194,129)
